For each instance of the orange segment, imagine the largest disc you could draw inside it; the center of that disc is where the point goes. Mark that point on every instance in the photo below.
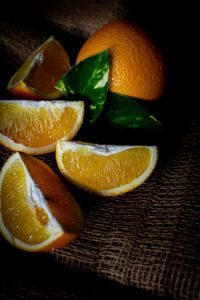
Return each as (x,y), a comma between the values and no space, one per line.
(55,195)
(36,78)
(21,211)
(39,212)
(35,126)
(107,170)
(137,67)
(99,180)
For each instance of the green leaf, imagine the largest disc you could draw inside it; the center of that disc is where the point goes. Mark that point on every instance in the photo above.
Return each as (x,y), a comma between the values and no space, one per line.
(88,79)
(124,112)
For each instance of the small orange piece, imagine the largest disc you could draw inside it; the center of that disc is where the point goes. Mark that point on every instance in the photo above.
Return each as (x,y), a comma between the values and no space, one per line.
(137,67)
(106,170)
(36,78)
(38,213)
(34,127)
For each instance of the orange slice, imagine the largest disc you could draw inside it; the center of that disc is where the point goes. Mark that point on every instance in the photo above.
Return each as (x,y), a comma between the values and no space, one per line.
(107,170)
(37,212)
(36,78)
(34,127)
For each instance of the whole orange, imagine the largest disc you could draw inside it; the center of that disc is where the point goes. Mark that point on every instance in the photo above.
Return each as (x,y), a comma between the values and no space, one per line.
(137,67)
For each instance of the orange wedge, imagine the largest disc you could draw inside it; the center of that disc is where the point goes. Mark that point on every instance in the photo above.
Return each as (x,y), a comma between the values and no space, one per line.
(34,127)
(36,78)
(37,212)
(107,170)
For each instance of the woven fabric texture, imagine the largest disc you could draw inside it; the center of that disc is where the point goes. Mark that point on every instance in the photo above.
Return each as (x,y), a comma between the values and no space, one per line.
(83,17)
(147,239)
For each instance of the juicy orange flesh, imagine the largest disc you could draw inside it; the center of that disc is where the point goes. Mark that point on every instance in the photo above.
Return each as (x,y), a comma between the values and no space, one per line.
(22,220)
(106,172)
(49,64)
(60,201)
(36,127)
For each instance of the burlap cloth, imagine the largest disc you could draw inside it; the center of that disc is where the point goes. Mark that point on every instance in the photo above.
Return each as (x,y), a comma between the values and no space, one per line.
(145,242)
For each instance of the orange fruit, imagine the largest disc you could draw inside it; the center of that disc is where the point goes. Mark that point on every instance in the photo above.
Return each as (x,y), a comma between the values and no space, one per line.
(36,78)
(137,67)
(34,127)
(107,170)
(38,213)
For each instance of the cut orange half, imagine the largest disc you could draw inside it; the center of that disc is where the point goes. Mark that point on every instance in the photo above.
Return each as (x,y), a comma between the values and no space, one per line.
(107,170)
(36,78)
(37,212)
(34,127)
